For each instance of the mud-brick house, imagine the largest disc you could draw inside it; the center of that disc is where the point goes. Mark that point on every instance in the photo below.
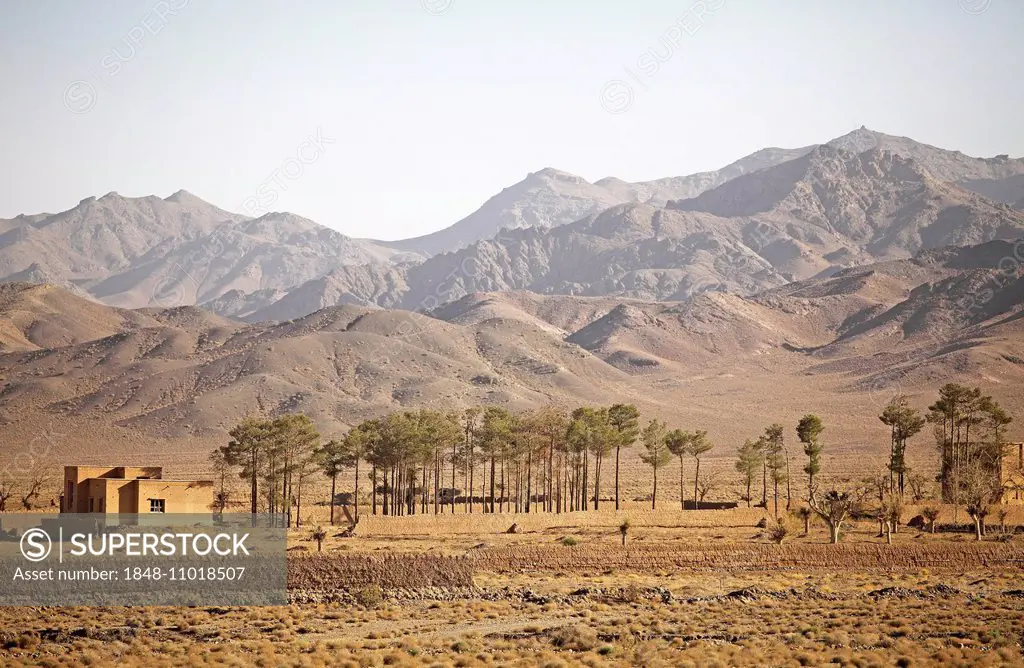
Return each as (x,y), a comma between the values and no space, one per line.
(131,490)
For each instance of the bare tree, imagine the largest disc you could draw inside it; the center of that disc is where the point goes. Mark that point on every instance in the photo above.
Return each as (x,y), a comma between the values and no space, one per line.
(920,487)
(36,482)
(6,492)
(1002,514)
(978,487)
(708,482)
(833,507)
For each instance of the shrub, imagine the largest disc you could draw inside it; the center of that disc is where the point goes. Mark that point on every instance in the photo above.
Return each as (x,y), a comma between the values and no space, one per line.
(569,541)
(778,531)
(319,534)
(370,597)
(578,638)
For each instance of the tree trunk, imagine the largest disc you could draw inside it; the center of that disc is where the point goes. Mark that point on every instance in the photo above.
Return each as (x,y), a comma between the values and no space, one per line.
(529,479)
(654,494)
(764,484)
(492,484)
(617,478)
(334,484)
(977,528)
(253,492)
(833,532)
(682,496)
(696,478)
(355,495)
(749,481)
(583,488)
(789,484)
(298,504)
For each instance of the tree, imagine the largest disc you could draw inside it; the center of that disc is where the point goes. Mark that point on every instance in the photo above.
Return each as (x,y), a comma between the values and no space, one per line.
(707,482)
(305,467)
(979,489)
(6,492)
(624,419)
(333,456)
(470,425)
(656,453)
(833,507)
(495,433)
(699,445)
(550,424)
(358,444)
(931,515)
(750,460)
(221,468)
(31,493)
(294,439)
(776,460)
(602,438)
(249,442)
(590,432)
(808,430)
(319,534)
(904,422)
(804,513)
(369,450)
(438,433)
(959,415)
(919,487)
(678,443)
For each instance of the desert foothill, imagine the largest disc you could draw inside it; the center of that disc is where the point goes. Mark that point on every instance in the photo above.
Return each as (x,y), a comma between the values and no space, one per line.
(758,402)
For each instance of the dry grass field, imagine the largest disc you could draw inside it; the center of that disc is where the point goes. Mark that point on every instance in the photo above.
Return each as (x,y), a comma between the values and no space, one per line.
(700,588)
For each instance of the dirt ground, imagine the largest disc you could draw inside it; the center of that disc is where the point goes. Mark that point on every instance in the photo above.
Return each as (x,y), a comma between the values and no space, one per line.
(780,619)
(558,616)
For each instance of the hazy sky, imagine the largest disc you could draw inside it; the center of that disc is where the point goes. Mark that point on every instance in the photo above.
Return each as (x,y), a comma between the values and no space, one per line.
(435,105)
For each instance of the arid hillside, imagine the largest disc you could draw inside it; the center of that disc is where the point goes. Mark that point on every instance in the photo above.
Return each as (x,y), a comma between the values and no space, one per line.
(152,382)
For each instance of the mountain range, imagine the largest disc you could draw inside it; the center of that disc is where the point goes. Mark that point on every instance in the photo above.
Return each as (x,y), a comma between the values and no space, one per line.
(169,382)
(775,216)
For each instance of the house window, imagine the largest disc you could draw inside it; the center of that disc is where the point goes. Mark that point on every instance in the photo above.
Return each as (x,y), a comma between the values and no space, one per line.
(156,505)
(90,504)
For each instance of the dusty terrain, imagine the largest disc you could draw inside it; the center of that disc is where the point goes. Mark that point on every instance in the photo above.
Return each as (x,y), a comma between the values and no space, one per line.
(163,386)
(902,609)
